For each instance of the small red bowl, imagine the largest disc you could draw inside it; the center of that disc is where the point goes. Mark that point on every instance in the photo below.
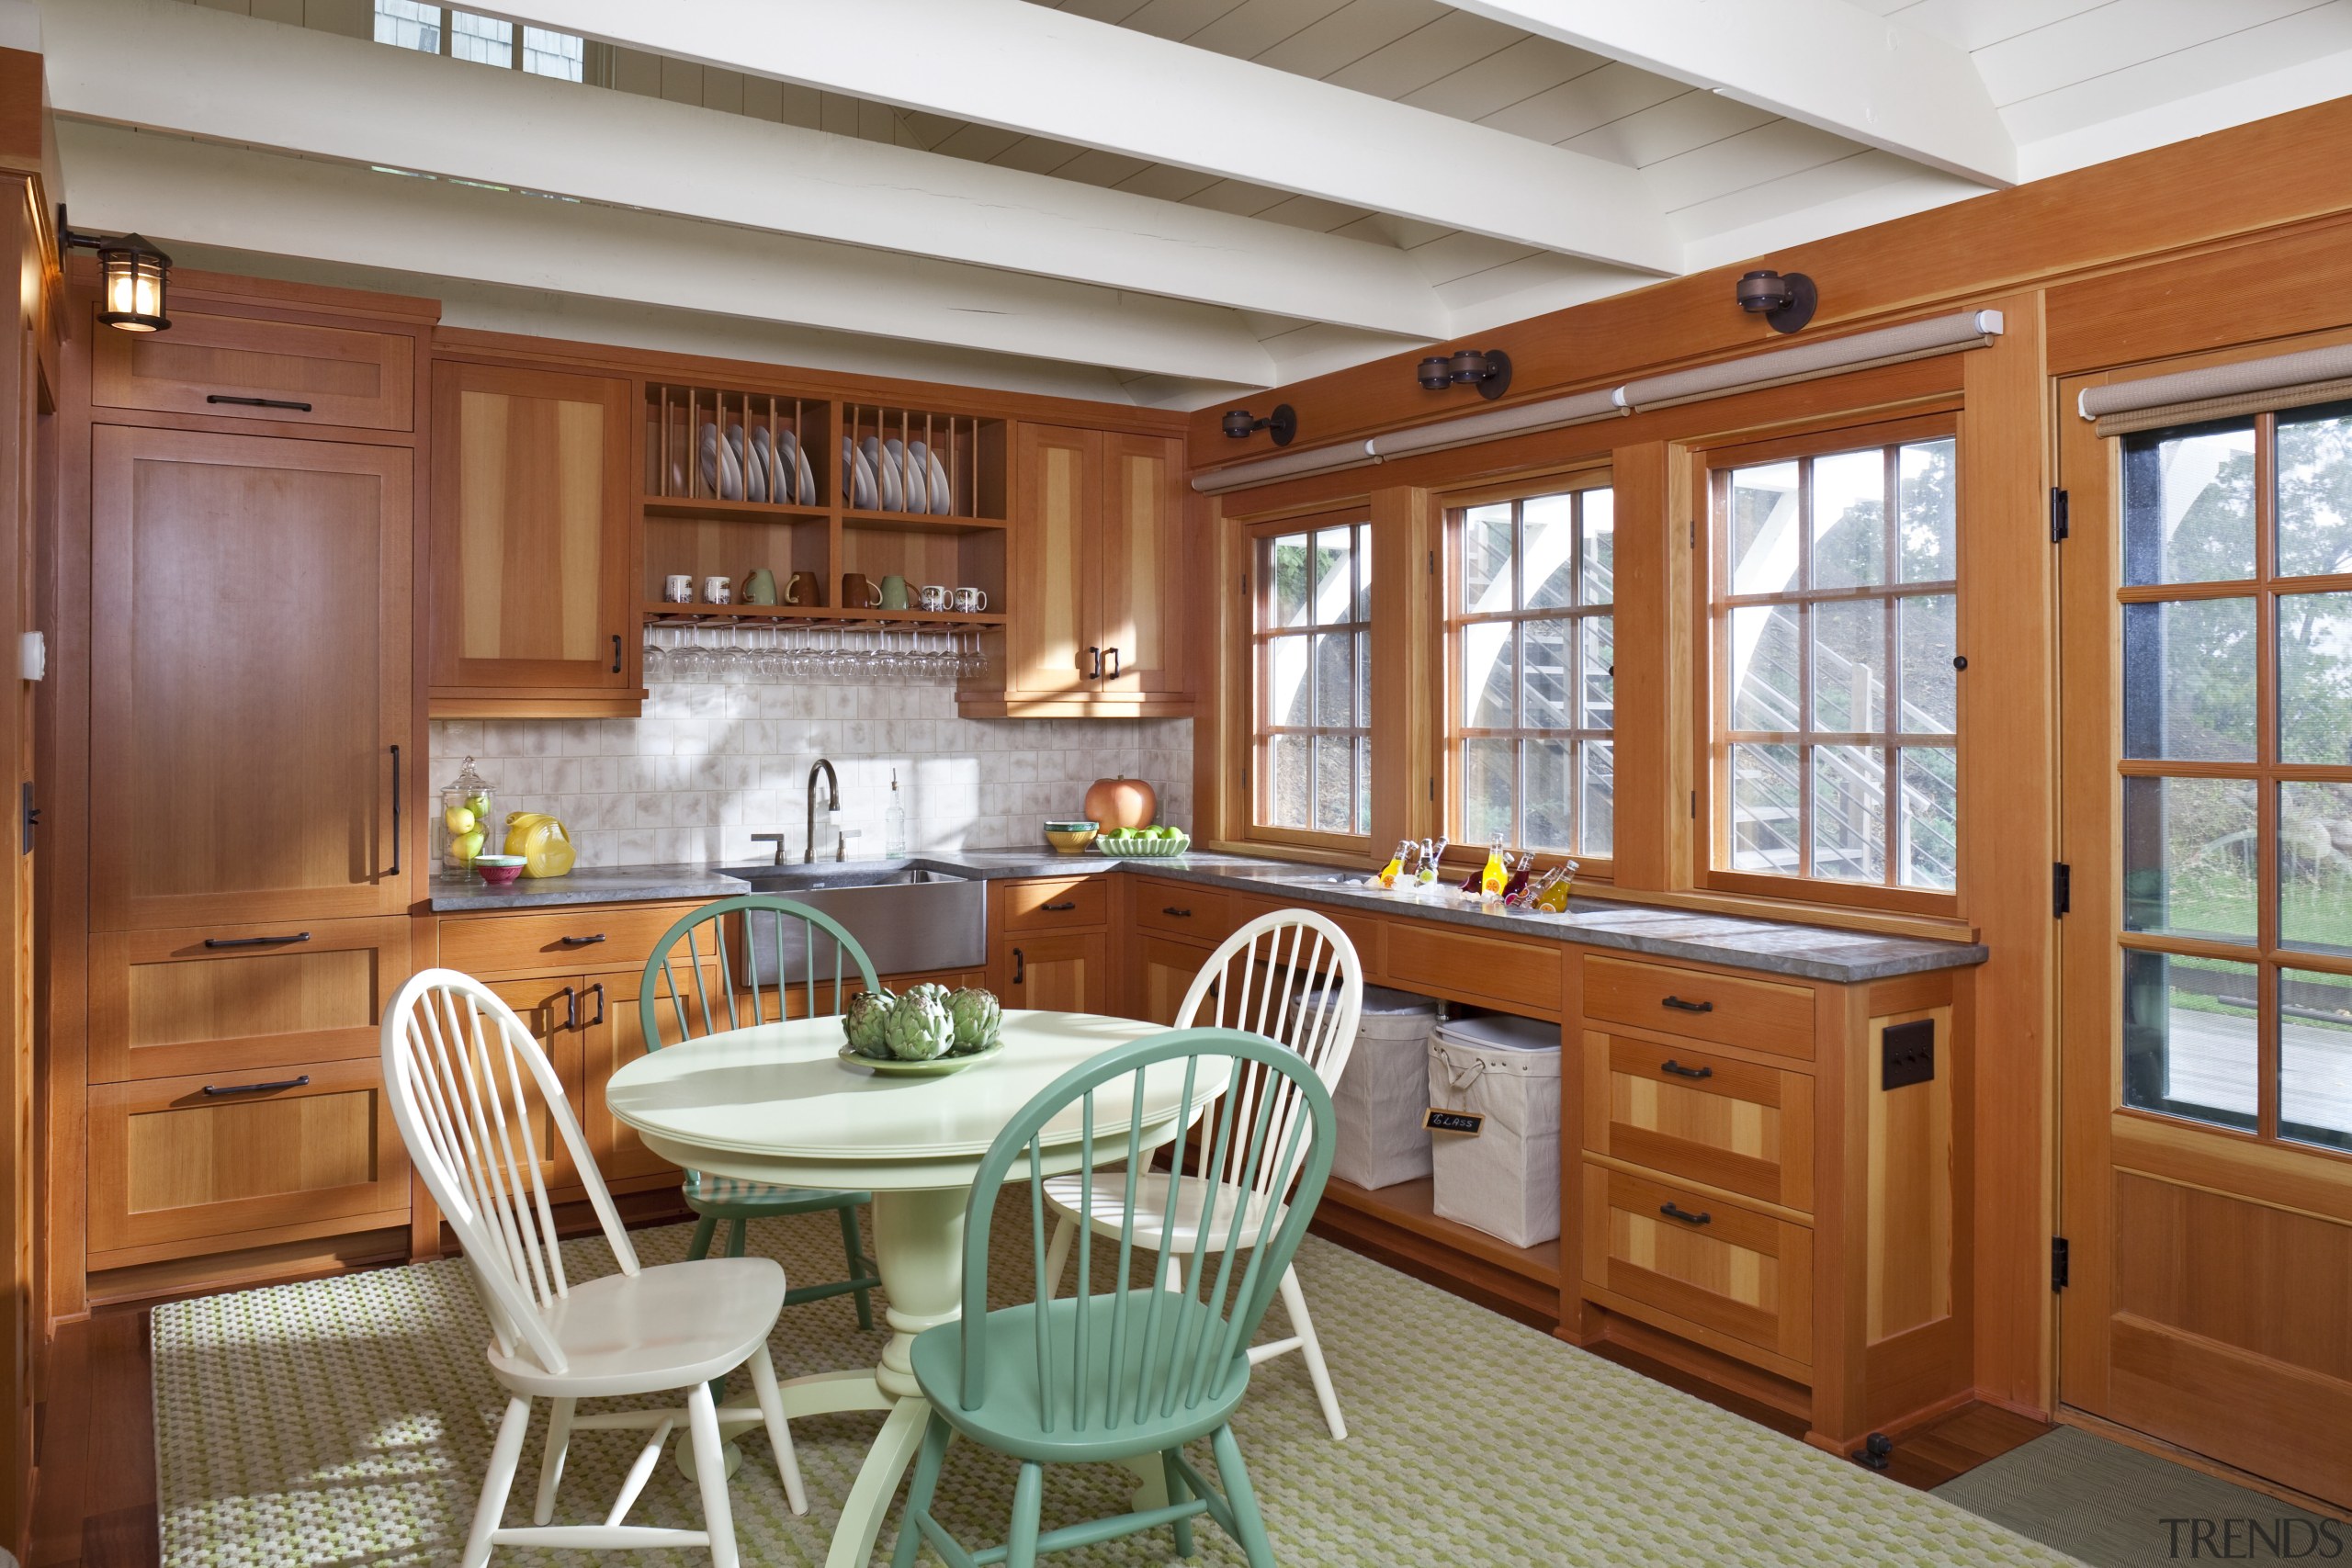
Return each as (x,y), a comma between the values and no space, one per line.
(500,871)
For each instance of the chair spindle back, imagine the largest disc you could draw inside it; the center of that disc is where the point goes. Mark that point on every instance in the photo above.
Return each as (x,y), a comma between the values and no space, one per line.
(737,999)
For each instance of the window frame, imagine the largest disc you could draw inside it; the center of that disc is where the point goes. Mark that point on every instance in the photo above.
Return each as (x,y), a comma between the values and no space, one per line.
(1449,623)
(1709,717)
(1255,638)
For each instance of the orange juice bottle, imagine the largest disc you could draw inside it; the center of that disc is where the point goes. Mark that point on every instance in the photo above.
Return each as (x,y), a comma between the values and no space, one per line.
(1497,874)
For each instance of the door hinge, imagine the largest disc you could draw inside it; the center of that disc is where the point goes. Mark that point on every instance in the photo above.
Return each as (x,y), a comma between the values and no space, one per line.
(2060,1266)
(2057,515)
(1694,805)
(32,819)
(1433,786)
(1433,563)
(1694,533)
(2062,889)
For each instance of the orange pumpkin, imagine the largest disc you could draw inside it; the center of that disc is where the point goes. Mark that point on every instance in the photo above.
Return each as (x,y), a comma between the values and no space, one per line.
(1121,803)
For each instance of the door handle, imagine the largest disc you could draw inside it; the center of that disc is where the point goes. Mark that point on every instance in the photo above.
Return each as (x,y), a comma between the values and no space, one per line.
(1679,1071)
(1113,673)
(1060,909)
(255,940)
(570,1008)
(1173,909)
(218,1089)
(598,991)
(1020,967)
(396,811)
(1094,669)
(1671,1212)
(617,653)
(1678,1005)
(259,402)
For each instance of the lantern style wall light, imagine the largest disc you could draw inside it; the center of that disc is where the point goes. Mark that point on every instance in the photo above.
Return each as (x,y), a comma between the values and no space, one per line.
(134,277)
(1787,303)
(1282,424)
(1488,371)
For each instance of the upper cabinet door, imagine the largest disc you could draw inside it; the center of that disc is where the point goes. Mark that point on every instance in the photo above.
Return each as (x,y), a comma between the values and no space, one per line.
(532,556)
(1144,560)
(1052,646)
(249,678)
(240,367)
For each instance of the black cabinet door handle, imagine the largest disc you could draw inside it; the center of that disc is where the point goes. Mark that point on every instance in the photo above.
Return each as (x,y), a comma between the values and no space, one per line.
(1671,1212)
(1060,909)
(597,990)
(1094,669)
(1679,1071)
(1678,1005)
(396,811)
(255,940)
(1173,909)
(259,402)
(581,941)
(216,1090)
(617,653)
(570,1008)
(1112,673)
(1020,967)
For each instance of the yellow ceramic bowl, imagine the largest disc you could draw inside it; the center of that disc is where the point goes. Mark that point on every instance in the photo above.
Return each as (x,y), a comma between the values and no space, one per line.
(1072,840)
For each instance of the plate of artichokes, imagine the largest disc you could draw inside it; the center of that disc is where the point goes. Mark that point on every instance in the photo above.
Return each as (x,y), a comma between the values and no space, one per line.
(928,1032)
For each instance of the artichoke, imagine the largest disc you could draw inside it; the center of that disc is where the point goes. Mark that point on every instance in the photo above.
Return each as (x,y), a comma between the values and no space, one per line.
(932,990)
(977,1019)
(862,1024)
(918,1028)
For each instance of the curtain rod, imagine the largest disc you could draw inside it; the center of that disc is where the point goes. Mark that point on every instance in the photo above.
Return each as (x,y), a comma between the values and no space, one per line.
(1800,362)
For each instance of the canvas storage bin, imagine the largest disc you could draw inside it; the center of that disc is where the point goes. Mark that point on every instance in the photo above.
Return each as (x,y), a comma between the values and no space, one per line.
(1505,1180)
(1381,1094)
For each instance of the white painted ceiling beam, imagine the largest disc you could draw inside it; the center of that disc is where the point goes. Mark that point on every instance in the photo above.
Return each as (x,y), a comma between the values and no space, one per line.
(230,78)
(1048,73)
(1823,62)
(169,187)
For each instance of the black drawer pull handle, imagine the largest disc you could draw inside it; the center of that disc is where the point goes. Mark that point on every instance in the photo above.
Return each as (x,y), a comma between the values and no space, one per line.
(1020,967)
(259,402)
(1060,909)
(1671,1212)
(255,940)
(219,1089)
(1679,1071)
(581,941)
(1173,909)
(1678,1005)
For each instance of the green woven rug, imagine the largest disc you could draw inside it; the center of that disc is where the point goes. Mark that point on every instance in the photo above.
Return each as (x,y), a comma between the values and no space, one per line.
(347,1421)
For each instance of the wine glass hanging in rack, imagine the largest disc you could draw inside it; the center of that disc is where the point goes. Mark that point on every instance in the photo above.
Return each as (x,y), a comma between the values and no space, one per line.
(707,444)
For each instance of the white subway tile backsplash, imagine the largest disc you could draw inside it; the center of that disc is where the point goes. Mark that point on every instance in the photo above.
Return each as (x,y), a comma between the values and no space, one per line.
(709,765)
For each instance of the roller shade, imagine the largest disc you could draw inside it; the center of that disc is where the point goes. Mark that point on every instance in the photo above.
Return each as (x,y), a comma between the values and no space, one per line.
(1780,368)
(2221,391)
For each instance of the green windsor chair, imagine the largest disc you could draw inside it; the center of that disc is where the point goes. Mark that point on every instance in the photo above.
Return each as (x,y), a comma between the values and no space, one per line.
(735,1002)
(1122,1373)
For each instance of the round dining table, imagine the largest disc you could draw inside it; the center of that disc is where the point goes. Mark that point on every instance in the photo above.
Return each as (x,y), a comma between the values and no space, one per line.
(778,1103)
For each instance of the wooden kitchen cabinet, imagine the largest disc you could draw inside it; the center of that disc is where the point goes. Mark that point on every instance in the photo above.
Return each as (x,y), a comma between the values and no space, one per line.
(249,649)
(247,368)
(554,1012)
(534,545)
(1097,562)
(1067,973)
(1163,971)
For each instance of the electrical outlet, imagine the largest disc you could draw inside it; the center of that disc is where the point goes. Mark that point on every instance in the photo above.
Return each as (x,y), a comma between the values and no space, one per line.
(1908,1054)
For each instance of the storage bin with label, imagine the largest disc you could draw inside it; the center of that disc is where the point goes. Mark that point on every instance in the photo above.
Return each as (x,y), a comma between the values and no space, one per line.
(1381,1094)
(1505,1178)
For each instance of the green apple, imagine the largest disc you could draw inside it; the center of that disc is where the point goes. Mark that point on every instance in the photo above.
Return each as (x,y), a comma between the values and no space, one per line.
(1163,832)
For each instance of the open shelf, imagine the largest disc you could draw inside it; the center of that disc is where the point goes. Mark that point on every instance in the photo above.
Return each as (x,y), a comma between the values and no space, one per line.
(1401,1220)
(745,510)
(817,615)
(921,523)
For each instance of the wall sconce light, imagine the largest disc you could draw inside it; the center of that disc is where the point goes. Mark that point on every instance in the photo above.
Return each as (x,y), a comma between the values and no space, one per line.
(1787,302)
(1488,371)
(135,277)
(1282,424)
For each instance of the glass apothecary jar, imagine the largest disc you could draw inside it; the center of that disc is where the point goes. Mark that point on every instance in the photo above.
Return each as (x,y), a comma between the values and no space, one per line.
(467,819)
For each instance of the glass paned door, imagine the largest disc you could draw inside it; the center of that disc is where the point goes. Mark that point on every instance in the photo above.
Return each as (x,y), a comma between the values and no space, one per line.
(2206,967)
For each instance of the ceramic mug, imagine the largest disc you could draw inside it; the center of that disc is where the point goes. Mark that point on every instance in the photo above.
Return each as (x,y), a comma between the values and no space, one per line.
(806,588)
(678,589)
(759,588)
(935,598)
(718,591)
(894,593)
(858,592)
(970,601)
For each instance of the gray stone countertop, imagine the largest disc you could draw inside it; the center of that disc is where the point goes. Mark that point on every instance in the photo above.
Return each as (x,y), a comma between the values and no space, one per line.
(1773,947)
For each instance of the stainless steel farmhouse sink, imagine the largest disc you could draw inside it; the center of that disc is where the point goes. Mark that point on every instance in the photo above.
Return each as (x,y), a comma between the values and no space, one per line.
(909,921)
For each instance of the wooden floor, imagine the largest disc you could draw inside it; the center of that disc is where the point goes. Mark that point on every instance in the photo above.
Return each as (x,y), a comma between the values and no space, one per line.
(95,1499)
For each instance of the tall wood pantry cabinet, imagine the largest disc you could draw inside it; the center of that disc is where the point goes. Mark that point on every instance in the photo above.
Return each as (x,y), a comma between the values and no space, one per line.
(1095,578)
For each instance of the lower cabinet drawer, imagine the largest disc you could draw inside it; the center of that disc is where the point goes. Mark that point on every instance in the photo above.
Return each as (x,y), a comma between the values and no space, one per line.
(1730,1010)
(1699,1261)
(589,937)
(1182,909)
(1732,1125)
(1426,956)
(1362,931)
(185,1158)
(1060,903)
(224,999)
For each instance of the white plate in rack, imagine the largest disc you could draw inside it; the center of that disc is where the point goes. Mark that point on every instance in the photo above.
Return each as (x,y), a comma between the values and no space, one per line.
(762,464)
(857,477)
(943,495)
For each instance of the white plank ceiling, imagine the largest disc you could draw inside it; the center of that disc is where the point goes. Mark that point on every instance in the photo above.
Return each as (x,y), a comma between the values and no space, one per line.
(1225,193)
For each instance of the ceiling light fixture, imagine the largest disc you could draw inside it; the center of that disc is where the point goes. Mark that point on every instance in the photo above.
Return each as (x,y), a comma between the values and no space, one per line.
(1786,303)
(1282,424)
(135,277)
(1488,371)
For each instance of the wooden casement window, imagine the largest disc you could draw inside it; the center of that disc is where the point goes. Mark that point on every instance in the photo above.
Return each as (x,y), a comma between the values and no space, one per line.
(1531,663)
(1309,777)
(1830,725)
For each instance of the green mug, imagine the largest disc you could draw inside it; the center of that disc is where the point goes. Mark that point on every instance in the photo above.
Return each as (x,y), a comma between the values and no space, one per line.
(894,593)
(759,588)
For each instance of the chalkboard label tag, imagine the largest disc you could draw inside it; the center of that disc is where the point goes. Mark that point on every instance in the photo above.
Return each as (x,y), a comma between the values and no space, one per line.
(1469,1123)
